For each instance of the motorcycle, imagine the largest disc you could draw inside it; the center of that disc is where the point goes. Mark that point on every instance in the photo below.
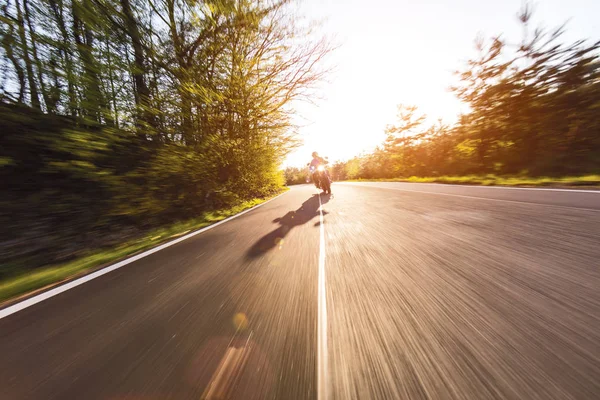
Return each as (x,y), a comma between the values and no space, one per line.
(321,178)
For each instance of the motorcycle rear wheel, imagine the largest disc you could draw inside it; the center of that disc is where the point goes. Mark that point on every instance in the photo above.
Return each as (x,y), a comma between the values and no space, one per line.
(327,187)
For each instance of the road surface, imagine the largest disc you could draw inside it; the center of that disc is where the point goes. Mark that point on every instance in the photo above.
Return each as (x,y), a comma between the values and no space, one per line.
(382,291)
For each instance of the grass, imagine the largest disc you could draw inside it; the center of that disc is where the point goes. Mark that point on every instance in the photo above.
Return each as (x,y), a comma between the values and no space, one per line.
(495,180)
(32,280)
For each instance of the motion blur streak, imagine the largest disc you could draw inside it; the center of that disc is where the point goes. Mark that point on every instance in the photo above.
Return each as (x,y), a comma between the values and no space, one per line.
(428,296)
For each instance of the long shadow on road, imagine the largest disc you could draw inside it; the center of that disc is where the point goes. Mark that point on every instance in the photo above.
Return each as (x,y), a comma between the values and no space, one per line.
(307,211)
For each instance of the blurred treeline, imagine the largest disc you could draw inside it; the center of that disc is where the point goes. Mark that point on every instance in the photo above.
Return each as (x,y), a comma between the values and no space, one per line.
(534,109)
(119,115)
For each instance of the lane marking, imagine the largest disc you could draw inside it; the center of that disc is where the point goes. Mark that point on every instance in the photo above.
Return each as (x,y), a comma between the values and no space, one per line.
(469,197)
(484,187)
(228,372)
(322,364)
(5,312)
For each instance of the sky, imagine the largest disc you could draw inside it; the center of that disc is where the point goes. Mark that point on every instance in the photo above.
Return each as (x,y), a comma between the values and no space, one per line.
(404,52)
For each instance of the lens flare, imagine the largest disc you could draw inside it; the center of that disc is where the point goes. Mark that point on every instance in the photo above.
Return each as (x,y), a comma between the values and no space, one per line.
(240,321)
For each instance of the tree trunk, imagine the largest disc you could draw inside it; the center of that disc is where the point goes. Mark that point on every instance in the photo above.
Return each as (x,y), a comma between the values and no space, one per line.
(33,92)
(8,42)
(65,50)
(95,105)
(186,107)
(113,93)
(144,120)
(38,63)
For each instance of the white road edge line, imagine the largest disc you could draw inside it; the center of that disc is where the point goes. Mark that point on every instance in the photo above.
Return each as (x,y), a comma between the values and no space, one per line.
(546,189)
(322,364)
(365,184)
(5,312)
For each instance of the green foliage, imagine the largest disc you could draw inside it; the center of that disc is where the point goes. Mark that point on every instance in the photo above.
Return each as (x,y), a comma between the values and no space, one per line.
(296,176)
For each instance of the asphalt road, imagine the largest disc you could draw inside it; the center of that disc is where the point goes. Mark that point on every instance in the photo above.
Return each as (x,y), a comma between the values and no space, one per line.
(405,291)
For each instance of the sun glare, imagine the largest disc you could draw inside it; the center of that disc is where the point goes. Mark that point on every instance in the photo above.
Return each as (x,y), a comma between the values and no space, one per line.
(407,55)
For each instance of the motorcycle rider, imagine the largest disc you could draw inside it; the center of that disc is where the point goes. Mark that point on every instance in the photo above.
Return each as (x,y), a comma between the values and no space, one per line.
(316,161)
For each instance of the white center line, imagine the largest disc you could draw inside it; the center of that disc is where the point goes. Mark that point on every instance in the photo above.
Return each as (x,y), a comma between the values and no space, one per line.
(322,375)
